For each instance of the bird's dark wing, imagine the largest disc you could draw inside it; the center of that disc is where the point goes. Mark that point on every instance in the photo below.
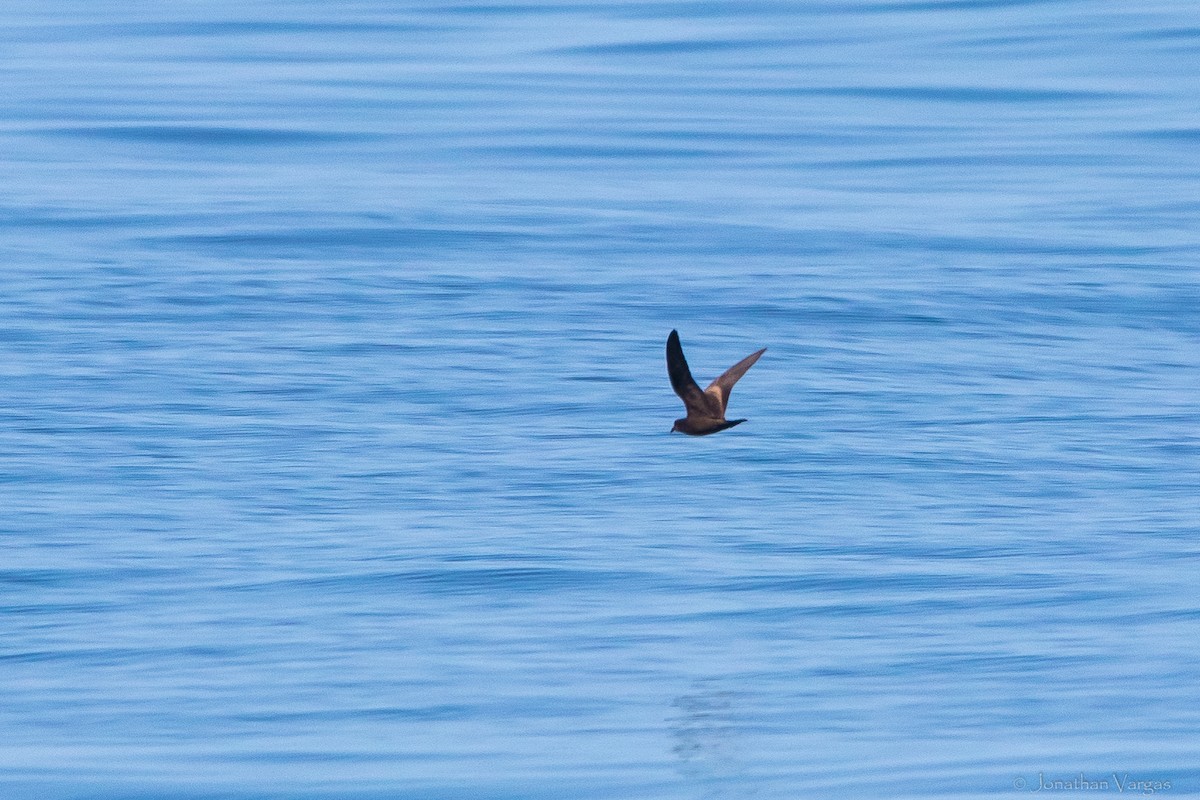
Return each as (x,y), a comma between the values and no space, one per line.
(697,404)
(722,386)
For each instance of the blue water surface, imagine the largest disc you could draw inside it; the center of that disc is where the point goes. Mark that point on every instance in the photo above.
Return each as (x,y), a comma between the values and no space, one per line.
(334,415)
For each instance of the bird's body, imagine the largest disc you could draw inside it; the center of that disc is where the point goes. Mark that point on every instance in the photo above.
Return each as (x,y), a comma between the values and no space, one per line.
(705,409)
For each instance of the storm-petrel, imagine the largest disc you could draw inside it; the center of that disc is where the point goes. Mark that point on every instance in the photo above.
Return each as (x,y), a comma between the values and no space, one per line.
(705,410)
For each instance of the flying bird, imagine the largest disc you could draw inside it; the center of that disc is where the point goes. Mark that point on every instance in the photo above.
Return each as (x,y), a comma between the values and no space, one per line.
(705,410)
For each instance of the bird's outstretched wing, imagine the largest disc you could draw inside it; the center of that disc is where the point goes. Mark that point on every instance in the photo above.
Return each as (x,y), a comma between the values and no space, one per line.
(722,386)
(696,402)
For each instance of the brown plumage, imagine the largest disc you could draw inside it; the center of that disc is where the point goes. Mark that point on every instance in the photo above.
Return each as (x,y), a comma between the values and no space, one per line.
(705,410)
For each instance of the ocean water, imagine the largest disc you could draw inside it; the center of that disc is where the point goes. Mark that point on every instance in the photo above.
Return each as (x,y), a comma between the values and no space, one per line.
(334,451)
